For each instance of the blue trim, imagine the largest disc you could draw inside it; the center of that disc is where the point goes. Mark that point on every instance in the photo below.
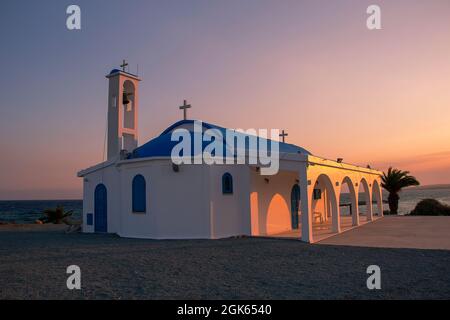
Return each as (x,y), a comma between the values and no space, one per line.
(101,209)
(90,219)
(182,122)
(227,183)
(139,197)
(114,71)
(163,145)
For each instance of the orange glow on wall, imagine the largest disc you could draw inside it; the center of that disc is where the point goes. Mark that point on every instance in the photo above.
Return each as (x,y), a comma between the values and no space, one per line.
(278,216)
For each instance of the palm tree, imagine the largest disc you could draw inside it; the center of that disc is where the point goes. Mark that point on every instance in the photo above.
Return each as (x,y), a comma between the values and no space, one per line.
(394,181)
(56,215)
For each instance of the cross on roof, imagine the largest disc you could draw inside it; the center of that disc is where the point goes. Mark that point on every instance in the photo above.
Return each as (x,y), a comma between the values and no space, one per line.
(283,135)
(184,107)
(123,65)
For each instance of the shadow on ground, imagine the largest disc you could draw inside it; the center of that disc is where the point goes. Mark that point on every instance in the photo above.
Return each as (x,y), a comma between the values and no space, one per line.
(33,266)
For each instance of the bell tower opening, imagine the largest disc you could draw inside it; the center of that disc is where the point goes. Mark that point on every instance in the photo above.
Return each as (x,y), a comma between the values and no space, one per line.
(128,108)
(123,106)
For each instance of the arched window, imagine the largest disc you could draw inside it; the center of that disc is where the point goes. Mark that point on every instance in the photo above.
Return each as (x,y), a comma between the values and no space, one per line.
(227,183)
(139,194)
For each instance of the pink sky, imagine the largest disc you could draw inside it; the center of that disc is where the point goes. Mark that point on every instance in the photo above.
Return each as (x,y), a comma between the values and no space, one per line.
(309,67)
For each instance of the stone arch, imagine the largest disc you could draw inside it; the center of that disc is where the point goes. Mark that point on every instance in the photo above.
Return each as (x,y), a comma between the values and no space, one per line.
(324,205)
(352,200)
(364,191)
(278,217)
(377,206)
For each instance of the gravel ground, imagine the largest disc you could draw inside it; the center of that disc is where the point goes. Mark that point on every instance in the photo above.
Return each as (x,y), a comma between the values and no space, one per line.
(33,266)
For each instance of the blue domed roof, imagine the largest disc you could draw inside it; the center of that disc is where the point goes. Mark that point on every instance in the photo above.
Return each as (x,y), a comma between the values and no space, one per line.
(163,145)
(114,71)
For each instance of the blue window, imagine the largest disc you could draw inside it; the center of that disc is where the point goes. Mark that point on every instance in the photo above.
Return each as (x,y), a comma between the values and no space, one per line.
(227,183)
(89,219)
(139,194)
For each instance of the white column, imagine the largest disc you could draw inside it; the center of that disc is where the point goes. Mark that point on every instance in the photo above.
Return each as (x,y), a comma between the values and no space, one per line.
(369,207)
(305,201)
(381,202)
(245,201)
(336,217)
(336,210)
(355,209)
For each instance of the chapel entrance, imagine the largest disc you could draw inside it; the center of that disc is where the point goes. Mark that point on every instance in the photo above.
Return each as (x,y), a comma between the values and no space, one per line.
(101,209)
(295,206)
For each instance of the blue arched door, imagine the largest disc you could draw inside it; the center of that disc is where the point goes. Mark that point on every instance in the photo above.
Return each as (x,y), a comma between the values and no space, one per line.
(295,205)
(101,209)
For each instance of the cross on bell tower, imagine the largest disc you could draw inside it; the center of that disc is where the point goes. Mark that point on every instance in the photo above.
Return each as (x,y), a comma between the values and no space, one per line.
(123,65)
(283,135)
(184,107)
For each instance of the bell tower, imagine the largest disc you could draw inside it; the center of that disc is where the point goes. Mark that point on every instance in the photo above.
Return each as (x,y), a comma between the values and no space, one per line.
(123,105)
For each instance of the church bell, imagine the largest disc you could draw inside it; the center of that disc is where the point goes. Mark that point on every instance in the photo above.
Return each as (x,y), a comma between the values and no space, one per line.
(125,98)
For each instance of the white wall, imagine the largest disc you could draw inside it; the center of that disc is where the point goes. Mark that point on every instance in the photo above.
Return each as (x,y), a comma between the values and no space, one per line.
(109,176)
(271,208)
(177,206)
(229,213)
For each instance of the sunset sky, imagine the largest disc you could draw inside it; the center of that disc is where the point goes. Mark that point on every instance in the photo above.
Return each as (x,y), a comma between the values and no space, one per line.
(312,68)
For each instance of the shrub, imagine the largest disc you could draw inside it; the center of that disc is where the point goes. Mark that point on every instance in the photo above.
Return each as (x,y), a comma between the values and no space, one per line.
(56,215)
(430,207)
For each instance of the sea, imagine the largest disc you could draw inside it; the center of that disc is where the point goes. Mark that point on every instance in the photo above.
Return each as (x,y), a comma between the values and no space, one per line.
(28,211)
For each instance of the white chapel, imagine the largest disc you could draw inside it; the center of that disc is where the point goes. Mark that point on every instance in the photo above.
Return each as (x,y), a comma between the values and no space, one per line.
(139,192)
